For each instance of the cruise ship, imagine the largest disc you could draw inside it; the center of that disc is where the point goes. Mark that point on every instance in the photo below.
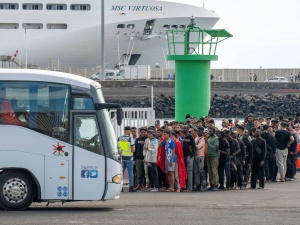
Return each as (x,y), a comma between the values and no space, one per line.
(70,31)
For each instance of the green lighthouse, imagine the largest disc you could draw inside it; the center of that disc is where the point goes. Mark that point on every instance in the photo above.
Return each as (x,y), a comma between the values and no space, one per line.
(192,50)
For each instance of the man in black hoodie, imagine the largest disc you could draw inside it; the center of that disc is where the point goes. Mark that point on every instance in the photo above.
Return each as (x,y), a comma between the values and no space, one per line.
(138,157)
(189,148)
(259,155)
(271,150)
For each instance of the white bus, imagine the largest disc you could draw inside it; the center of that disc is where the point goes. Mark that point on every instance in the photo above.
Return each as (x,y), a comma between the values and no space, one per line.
(57,143)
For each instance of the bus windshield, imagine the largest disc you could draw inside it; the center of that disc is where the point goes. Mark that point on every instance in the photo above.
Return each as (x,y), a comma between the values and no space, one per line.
(107,129)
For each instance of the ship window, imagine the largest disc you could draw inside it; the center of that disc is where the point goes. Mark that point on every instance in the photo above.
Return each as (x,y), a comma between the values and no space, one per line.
(82,7)
(121,26)
(166,26)
(182,26)
(174,26)
(32,6)
(32,25)
(130,26)
(9,26)
(56,6)
(11,6)
(57,26)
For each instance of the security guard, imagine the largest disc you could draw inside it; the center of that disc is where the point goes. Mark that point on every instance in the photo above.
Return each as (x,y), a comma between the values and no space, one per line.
(126,146)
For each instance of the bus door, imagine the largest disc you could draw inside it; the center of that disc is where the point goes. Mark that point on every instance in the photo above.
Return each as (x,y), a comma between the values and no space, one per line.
(88,157)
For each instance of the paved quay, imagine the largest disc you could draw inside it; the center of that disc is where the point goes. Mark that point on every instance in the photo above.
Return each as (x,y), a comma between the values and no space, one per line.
(278,204)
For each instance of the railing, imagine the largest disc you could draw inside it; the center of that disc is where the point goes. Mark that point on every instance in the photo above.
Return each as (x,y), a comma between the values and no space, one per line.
(133,117)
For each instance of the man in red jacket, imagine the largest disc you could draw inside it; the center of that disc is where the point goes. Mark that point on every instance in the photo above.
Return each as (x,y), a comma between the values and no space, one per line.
(180,172)
(160,162)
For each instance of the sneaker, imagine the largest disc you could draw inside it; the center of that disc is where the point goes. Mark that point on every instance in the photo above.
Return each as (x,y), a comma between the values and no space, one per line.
(131,189)
(149,189)
(241,188)
(154,190)
(203,189)
(260,188)
(221,188)
(215,189)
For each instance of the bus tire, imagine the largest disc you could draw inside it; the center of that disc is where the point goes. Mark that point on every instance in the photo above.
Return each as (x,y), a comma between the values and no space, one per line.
(17,190)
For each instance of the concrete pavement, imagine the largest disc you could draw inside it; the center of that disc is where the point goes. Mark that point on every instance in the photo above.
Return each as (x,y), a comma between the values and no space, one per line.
(278,204)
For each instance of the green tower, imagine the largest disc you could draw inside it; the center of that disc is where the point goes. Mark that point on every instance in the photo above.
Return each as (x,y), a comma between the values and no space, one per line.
(192,49)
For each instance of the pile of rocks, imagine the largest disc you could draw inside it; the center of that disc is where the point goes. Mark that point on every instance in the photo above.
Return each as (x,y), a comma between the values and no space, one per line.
(223,105)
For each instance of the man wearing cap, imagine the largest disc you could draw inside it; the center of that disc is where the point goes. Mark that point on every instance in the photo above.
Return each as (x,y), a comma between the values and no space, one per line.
(283,140)
(268,120)
(126,146)
(157,124)
(249,124)
(271,150)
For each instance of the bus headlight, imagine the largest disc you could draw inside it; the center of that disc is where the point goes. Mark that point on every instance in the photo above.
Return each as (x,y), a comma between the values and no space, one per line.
(117,179)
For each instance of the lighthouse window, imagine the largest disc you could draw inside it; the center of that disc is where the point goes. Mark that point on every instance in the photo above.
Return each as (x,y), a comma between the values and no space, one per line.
(30,6)
(9,6)
(83,7)
(56,6)
(166,26)
(182,26)
(174,27)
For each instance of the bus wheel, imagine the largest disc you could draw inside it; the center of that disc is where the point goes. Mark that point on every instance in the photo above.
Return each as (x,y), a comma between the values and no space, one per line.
(17,190)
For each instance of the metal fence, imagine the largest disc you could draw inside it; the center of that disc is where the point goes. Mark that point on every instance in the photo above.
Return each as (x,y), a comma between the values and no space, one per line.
(133,117)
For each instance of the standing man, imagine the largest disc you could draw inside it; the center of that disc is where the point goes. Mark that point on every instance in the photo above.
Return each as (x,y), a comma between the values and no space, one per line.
(271,150)
(151,147)
(249,123)
(199,159)
(283,140)
(169,146)
(248,159)
(259,155)
(126,146)
(224,161)
(189,149)
(213,159)
(138,157)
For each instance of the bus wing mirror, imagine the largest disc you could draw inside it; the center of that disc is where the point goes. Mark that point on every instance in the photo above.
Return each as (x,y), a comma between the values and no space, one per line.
(119,116)
(100,106)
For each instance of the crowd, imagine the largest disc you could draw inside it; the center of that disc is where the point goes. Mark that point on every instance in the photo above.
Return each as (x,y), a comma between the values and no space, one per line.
(196,155)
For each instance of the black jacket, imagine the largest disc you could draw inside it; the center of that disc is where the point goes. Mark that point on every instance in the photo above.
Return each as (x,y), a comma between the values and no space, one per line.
(259,143)
(139,147)
(249,152)
(270,141)
(188,146)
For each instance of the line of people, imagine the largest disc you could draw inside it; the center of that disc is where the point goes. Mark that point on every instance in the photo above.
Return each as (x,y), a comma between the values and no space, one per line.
(197,155)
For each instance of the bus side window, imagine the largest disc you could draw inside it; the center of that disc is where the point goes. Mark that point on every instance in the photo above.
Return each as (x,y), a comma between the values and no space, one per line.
(8,115)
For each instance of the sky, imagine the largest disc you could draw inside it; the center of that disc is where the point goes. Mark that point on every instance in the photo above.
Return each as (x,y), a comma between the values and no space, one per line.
(266,33)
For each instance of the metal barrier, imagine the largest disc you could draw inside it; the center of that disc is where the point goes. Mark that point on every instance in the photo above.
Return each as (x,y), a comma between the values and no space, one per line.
(133,117)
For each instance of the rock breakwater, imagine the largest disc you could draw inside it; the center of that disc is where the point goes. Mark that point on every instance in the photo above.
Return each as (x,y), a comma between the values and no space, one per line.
(222,105)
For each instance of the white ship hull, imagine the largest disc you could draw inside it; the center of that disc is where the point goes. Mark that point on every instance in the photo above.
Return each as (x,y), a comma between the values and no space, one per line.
(79,44)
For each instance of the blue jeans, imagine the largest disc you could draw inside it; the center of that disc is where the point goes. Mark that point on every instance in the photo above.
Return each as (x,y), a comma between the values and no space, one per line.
(129,165)
(189,163)
(224,166)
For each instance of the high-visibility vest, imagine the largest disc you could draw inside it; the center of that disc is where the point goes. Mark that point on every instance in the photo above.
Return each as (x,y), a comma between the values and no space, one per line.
(125,148)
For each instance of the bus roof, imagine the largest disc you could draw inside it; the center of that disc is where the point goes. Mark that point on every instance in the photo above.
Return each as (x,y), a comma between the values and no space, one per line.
(46,76)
